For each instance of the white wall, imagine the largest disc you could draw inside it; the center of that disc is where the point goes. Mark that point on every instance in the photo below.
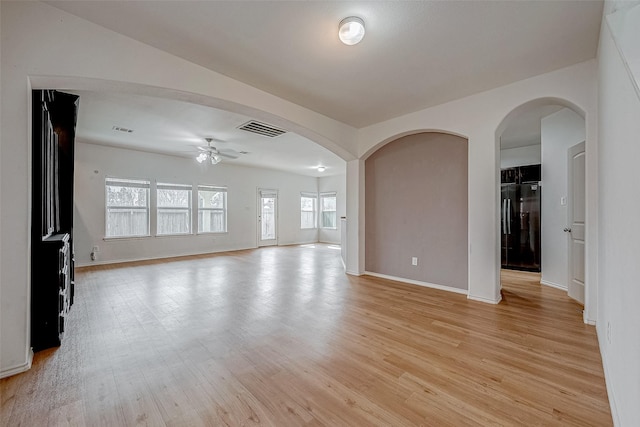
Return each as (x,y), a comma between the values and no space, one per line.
(560,131)
(479,118)
(520,156)
(44,47)
(95,162)
(624,26)
(3,301)
(327,184)
(619,248)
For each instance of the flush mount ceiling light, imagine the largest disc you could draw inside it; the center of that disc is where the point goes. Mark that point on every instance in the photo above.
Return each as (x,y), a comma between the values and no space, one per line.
(321,168)
(351,30)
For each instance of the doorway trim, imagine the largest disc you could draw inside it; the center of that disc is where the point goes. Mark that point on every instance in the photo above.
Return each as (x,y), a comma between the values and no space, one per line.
(591,189)
(260,194)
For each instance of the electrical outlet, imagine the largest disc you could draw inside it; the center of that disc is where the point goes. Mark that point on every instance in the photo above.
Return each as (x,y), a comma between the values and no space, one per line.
(414,260)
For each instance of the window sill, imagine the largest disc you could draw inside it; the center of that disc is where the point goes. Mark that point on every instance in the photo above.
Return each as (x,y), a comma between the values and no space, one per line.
(107,238)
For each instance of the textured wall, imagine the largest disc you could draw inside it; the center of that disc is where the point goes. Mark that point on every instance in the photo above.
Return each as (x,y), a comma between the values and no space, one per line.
(416,206)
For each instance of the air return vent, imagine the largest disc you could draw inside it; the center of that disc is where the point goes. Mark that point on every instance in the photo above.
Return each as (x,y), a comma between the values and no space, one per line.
(262,129)
(121,129)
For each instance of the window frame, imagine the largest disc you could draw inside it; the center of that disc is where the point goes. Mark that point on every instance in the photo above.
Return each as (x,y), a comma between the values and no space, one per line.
(131,183)
(188,209)
(224,209)
(314,196)
(334,195)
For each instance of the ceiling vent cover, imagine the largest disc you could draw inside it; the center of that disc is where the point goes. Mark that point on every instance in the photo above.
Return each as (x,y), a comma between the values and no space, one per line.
(121,129)
(262,129)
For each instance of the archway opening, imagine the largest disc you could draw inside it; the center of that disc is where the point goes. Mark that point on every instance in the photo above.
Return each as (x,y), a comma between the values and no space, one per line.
(96,160)
(536,197)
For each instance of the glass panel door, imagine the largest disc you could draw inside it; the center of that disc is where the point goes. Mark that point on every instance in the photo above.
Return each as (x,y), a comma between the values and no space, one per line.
(268,217)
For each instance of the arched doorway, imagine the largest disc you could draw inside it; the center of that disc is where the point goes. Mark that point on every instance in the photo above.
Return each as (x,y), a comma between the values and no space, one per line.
(540,193)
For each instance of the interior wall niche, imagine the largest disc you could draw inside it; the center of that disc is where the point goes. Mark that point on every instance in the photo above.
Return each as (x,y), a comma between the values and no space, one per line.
(416,204)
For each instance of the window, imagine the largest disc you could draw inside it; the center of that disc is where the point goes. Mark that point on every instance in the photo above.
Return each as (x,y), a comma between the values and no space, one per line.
(328,210)
(308,209)
(174,209)
(127,207)
(212,209)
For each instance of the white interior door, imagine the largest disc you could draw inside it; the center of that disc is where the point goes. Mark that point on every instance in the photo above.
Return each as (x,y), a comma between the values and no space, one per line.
(576,216)
(267,217)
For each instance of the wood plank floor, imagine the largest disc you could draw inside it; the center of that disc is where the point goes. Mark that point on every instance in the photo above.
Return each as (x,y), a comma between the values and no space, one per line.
(281,336)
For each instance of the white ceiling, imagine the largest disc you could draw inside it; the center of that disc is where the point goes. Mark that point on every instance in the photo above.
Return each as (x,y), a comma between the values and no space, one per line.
(415,54)
(179,128)
(525,129)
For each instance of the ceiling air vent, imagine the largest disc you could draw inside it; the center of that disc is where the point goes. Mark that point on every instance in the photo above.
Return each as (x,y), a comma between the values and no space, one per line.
(121,129)
(262,129)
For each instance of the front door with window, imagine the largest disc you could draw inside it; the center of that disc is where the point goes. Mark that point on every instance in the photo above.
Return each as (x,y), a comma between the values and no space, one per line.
(267,217)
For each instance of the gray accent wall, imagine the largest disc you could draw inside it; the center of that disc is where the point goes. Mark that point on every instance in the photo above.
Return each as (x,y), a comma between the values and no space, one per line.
(416,206)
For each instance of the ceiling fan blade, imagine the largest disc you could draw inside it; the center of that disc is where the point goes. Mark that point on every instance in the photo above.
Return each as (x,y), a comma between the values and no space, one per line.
(204,149)
(230,154)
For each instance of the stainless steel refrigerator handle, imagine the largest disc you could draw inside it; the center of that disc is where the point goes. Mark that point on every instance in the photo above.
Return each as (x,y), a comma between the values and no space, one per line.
(509,212)
(504,216)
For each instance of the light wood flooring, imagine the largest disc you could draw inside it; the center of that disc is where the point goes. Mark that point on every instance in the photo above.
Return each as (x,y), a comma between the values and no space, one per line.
(281,336)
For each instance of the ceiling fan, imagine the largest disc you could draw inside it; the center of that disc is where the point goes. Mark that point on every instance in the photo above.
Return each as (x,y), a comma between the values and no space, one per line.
(214,155)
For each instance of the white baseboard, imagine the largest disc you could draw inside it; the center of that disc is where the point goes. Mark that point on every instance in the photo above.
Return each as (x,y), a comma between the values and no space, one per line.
(553,285)
(122,261)
(417,282)
(23,367)
(485,300)
(353,273)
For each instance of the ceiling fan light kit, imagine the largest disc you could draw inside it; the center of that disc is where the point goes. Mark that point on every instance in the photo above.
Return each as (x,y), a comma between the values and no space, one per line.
(214,155)
(214,158)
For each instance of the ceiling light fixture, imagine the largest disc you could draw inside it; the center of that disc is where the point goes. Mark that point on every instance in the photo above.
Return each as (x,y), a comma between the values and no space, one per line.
(321,168)
(214,158)
(351,30)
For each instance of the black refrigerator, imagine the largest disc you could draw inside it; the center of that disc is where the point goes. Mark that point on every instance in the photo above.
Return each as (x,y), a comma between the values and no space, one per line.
(520,219)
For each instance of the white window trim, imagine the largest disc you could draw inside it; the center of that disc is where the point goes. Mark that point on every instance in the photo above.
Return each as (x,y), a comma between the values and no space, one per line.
(132,183)
(188,208)
(333,194)
(206,187)
(314,196)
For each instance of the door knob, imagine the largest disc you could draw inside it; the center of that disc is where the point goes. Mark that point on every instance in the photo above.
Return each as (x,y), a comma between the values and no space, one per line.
(567,230)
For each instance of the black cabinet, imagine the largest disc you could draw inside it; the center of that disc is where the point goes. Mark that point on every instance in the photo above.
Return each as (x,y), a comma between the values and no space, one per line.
(520,174)
(52,288)
(53,300)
